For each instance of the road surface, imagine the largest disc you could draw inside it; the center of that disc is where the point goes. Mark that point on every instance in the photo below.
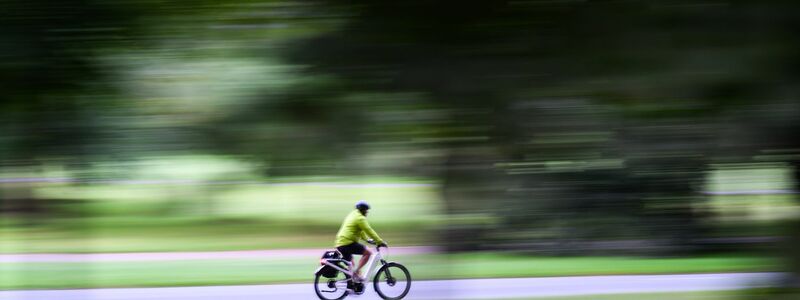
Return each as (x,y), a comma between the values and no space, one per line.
(429,290)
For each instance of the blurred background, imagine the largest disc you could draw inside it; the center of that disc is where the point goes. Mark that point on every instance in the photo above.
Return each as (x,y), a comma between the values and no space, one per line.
(493,138)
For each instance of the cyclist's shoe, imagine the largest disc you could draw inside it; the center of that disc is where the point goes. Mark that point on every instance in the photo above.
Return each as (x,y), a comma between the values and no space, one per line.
(358,288)
(354,290)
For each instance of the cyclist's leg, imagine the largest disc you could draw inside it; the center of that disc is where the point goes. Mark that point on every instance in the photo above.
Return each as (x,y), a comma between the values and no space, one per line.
(347,254)
(355,248)
(365,255)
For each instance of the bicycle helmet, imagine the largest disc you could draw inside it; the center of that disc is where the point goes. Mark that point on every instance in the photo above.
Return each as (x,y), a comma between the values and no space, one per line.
(362,205)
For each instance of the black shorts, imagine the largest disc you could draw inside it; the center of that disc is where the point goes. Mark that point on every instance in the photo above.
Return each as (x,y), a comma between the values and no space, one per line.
(348,250)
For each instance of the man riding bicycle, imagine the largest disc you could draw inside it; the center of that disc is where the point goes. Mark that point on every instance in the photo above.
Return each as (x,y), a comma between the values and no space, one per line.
(355,227)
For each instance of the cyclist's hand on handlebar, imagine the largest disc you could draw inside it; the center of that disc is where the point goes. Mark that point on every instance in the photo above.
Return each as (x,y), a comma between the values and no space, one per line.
(384,245)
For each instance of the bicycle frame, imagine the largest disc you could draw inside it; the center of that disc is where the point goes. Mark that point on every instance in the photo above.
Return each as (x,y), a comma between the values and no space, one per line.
(377,256)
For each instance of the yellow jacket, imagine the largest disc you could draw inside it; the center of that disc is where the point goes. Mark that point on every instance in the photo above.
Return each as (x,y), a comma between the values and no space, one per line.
(355,226)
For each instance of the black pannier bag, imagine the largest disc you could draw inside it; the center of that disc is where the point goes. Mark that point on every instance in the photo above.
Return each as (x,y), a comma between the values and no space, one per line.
(328,271)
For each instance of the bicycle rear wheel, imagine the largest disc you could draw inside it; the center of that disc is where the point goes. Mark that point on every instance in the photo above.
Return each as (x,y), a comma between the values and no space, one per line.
(392,282)
(330,288)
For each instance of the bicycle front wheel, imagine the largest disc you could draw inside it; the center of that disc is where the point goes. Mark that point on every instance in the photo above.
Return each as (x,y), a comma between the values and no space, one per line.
(392,282)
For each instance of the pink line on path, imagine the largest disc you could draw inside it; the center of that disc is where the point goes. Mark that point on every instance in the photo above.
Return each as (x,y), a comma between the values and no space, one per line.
(168,256)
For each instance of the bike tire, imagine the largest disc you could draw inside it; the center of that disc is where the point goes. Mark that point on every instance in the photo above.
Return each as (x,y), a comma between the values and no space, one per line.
(382,270)
(317,279)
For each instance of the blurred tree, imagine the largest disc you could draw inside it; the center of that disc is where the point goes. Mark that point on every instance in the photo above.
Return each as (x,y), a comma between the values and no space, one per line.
(561,89)
(53,92)
(48,74)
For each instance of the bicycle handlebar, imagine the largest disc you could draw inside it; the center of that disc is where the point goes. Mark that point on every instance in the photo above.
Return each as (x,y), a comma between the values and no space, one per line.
(372,242)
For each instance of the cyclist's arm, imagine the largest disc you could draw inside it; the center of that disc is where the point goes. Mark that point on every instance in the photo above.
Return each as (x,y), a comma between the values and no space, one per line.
(364,235)
(367,231)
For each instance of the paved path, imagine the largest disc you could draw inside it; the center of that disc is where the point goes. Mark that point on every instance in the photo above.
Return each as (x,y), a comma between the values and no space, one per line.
(162,256)
(442,289)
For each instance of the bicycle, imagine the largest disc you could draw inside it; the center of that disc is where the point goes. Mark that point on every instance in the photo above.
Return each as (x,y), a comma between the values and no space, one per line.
(390,279)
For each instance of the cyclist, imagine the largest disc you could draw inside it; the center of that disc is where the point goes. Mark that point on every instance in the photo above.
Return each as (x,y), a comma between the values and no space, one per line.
(355,227)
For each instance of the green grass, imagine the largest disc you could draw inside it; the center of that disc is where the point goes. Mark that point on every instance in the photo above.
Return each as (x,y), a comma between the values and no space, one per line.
(293,212)
(97,235)
(498,265)
(19,275)
(131,218)
(317,202)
